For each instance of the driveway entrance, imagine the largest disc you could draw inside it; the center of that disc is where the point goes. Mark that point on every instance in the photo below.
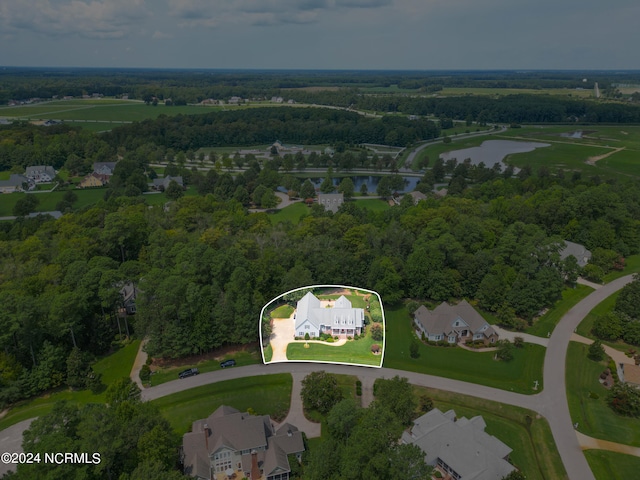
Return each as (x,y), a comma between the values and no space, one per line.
(283,332)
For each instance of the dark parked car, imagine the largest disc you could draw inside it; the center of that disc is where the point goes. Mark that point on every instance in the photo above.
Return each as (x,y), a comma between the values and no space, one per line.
(189,372)
(228,363)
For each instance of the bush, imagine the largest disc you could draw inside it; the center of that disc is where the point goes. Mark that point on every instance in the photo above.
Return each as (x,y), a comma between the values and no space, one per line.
(376,331)
(330,340)
(306,336)
(593,273)
(625,400)
(596,351)
(358,388)
(145,374)
(414,348)
(518,342)
(349,338)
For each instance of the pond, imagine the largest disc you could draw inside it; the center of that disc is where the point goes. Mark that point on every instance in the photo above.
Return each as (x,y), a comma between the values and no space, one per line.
(492,151)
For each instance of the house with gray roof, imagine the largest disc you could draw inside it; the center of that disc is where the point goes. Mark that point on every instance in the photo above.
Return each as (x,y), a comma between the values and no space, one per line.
(163,183)
(104,168)
(459,447)
(331,201)
(230,442)
(340,319)
(40,173)
(579,252)
(453,323)
(16,183)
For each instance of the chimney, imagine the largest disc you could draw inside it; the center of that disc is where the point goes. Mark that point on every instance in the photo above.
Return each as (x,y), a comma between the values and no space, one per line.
(255,471)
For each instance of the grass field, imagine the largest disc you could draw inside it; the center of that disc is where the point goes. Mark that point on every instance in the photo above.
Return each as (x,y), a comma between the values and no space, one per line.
(612,465)
(570,297)
(264,394)
(112,367)
(354,351)
(593,415)
(534,450)
(455,91)
(373,204)
(283,311)
(48,201)
(242,358)
(457,363)
(293,213)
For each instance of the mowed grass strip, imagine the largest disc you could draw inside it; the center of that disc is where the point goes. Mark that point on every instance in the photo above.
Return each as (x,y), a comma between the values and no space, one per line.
(49,200)
(264,394)
(547,323)
(534,450)
(593,415)
(112,367)
(607,465)
(517,375)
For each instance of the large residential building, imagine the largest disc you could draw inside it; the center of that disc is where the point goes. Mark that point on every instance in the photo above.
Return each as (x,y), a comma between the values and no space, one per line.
(453,323)
(458,447)
(581,254)
(163,183)
(230,444)
(341,320)
(94,180)
(104,168)
(331,201)
(40,173)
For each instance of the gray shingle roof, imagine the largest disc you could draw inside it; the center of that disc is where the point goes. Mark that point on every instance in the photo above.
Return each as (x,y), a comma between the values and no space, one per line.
(442,319)
(578,251)
(462,444)
(342,315)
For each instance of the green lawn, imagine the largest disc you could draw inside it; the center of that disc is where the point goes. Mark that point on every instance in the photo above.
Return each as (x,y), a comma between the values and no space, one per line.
(570,297)
(48,201)
(293,213)
(268,353)
(455,91)
(242,358)
(354,351)
(283,311)
(593,415)
(264,394)
(373,204)
(457,363)
(111,367)
(612,465)
(534,450)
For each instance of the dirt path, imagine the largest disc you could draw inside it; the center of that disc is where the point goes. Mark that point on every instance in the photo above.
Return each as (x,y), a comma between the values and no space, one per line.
(593,160)
(588,443)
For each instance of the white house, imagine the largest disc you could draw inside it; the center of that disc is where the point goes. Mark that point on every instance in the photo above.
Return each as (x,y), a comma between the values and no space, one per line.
(341,320)
(40,173)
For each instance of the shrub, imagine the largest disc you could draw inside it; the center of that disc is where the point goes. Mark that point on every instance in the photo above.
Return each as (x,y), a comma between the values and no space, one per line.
(518,342)
(596,351)
(145,374)
(376,331)
(505,350)
(349,338)
(625,400)
(306,336)
(330,340)
(414,348)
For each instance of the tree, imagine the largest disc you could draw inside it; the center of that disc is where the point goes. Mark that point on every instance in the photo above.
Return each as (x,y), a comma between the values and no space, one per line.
(596,351)
(414,348)
(307,190)
(608,326)
(376,331)
(364,190)
(25,205)
(505,350)
(320,391)
(77,369)
(343,418)
(268,199)
(327,185)
(625,399)
(122,390)
(628,301)
(346,188)
(396,395)
(174,191)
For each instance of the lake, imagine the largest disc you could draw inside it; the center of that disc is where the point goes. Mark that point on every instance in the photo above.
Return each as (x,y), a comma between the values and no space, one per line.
(492,151)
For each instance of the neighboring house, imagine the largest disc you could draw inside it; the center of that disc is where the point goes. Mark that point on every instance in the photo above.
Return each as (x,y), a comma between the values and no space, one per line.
(581,254)
(631,374)
(229,443)
(129,294)
(104,168)
(94,180)
(417,196)
(453,323)
(277,99)
(341,320)
(163,183)
(459,448)
(40,173)
(331,201)
(16,183)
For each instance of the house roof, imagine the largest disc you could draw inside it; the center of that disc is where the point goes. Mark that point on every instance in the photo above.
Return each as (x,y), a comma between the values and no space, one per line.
(578,251)
(157,182)
(15,180)
(39,170)
(331,201)
(417,196)
(341,315)
(461,444)
(110,165)
(442,319)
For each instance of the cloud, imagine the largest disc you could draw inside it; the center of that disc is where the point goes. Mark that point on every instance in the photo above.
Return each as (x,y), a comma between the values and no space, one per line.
(362,3)
(94,19)
(158,35)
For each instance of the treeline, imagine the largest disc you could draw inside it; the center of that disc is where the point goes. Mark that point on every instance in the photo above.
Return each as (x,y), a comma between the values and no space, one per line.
(265,125)
(483,108)
(205,266)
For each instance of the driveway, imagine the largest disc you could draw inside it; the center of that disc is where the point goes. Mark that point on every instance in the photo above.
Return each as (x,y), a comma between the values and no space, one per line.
(283,332)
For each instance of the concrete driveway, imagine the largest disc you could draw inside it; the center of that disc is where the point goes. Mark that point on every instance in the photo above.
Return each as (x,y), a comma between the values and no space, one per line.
(283,332)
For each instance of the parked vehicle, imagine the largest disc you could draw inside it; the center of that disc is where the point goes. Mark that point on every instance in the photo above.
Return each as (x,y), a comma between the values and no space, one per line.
(189,372)
(228,363)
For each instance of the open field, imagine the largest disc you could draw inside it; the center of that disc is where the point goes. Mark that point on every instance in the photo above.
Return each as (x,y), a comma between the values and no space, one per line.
(48,201)
(265,394)
(457,363)
(570,92)
(612,465)
(570,297)
(534,450)
(293,213)
(593,415)
(112,367)
(374,204)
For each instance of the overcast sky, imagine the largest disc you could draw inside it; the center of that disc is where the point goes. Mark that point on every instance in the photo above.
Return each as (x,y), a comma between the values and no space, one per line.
(322,34)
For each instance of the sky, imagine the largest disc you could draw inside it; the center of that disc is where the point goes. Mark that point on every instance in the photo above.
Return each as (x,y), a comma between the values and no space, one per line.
(322,34)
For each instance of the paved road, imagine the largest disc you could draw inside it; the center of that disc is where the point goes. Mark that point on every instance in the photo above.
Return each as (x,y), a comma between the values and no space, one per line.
(11,441)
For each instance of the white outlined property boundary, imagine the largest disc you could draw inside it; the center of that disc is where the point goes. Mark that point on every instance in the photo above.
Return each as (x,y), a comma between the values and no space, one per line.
(309,287)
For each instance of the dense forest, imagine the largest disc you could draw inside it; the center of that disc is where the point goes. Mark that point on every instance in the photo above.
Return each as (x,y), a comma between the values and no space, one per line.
(205,266)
